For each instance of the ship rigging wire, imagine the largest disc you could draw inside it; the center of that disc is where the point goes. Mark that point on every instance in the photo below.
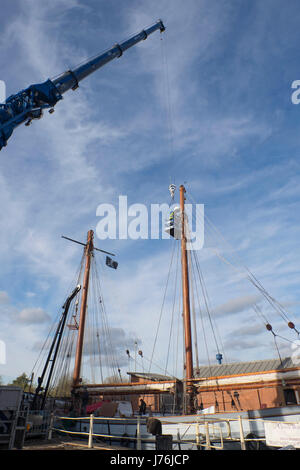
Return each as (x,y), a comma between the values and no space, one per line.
(250,276)
(277,306)
(173,309)
(98,354)
(196,278)
(163,303)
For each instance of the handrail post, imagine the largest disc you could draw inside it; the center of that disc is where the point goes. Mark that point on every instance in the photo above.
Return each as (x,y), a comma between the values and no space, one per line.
(221,435)
(197,436)
(50,427)
(90,444)
(208,446)
(228,429)
(243,444)
(138,434)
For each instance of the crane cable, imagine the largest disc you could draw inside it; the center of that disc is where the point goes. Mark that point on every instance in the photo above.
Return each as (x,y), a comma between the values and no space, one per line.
(166,93)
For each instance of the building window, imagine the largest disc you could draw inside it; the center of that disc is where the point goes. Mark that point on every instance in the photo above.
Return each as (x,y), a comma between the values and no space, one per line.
(290,396)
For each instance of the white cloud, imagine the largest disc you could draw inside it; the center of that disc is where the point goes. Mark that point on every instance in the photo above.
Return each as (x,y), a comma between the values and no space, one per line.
(33,316)
(30,294)
(237,305)
(4,298)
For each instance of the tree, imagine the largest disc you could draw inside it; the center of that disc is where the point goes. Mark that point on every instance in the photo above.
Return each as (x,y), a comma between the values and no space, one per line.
(63,387)
(22,381)
(115,379)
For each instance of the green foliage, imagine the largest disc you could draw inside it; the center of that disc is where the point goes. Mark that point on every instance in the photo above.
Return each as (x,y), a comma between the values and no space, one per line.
(22,381)
(63,387)
(115,379)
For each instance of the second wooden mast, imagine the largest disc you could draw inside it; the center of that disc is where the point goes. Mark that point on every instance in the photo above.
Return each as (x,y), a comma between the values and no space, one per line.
(89,247)
(186,309)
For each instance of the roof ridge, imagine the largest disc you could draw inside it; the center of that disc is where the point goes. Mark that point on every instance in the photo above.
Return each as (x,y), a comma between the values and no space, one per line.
(236,368)
(244,362)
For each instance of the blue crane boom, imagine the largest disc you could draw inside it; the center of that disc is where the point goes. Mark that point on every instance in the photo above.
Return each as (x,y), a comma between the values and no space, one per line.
(29,104)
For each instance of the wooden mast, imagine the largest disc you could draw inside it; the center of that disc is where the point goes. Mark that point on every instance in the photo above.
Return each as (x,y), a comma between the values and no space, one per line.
(89,247)
(186,309)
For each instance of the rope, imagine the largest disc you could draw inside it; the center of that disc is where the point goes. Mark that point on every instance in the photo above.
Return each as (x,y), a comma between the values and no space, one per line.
(250,276)
(173,307)
(206,301)
(107,346)
(162,307)
(96,327)
(193,309)
(213,324)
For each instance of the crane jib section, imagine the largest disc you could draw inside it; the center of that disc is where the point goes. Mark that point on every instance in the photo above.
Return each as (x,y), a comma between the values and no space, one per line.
(29,104)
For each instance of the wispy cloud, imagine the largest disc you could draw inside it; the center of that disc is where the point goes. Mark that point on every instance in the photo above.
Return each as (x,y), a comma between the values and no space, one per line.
(4,298)
(33,315)
(237,305)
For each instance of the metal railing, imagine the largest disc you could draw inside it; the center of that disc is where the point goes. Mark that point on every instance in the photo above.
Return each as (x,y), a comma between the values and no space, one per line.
(207,434)
(91,434)
(38,423)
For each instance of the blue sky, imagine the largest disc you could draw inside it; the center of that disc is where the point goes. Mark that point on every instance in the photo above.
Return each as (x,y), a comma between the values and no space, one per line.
(208,104)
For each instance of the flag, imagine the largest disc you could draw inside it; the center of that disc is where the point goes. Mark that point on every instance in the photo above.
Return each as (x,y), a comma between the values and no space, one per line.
(111,263)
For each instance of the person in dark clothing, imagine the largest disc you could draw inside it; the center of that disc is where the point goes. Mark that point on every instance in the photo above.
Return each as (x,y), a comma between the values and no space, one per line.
(142,409)
(84,400)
